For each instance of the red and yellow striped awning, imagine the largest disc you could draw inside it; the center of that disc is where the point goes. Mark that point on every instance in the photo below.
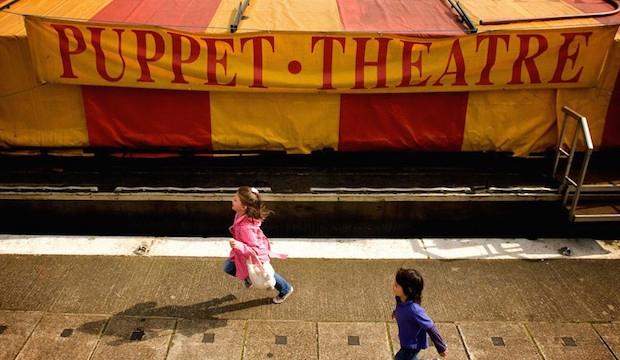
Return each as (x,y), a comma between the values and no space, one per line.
(520,121)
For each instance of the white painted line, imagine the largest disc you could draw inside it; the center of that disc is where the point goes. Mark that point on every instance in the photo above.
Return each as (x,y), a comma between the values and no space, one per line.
(70,245)
(190,246)
(314,248)
(352,248)
(517,249)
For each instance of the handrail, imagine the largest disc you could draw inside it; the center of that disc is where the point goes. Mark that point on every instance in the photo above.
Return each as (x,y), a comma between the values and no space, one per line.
(613,3)
(581,123)
(8,5)
(238,16)
(471,28)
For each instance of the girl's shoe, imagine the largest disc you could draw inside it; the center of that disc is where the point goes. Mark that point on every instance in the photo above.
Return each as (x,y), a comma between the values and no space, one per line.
(280,299)
(247,283)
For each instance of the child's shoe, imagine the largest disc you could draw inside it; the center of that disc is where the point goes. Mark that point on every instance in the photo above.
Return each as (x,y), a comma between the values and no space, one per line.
(280,299)
(247,283)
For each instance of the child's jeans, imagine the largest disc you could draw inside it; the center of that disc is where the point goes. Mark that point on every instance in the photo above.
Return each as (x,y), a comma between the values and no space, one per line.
(282,285)
(407,354)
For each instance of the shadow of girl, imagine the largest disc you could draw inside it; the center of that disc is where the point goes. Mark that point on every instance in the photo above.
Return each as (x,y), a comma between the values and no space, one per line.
(122,325)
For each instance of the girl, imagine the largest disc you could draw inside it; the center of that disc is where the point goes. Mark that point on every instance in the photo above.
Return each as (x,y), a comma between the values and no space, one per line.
(413,323)
(247,237)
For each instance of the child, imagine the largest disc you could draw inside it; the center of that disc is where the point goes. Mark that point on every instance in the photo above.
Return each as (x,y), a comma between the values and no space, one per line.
(413,323)
(247,236)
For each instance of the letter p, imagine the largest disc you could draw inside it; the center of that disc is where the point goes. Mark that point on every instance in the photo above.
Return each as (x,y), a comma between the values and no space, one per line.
(65,52)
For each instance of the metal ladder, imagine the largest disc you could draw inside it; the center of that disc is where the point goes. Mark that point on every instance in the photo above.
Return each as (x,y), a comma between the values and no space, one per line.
(572,189)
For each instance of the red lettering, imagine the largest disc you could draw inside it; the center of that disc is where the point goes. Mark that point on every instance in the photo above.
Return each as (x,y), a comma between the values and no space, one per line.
(564,56)
(257,50)
(328,52)
(177,55)
(459,73)
(65,53)
(143,60)
(523,58)
(361,62)
(408,63)
(485,75)
(213,61)
(100,55)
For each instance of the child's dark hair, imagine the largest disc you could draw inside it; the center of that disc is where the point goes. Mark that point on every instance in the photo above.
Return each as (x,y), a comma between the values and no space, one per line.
(412,283)
(251,198)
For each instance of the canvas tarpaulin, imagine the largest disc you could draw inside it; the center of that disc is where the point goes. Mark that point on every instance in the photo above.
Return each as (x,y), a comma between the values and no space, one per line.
(520,121)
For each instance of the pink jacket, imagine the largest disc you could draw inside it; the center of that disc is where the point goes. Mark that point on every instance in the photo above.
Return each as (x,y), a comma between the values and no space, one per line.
(247,231)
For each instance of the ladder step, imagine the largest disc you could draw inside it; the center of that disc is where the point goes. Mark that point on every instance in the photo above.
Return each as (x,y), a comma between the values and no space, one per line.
(597,188)
(597,212)
(597,218)
(571,181)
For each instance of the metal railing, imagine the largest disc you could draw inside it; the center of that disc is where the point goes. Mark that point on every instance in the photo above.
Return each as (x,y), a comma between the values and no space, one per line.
(581,127)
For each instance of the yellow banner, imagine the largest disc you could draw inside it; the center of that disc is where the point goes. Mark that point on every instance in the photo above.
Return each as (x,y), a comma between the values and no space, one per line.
(153,57)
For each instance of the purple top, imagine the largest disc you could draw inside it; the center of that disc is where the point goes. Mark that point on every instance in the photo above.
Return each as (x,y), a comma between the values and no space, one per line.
(414,324)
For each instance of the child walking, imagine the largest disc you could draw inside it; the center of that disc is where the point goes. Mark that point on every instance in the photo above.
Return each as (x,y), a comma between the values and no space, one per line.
(413,322)
(248,237)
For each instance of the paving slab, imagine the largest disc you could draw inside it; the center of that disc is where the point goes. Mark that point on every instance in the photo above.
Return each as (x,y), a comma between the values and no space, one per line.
(207,339)
(321,295)
(101,284)
(568,341)
(192,288)
(450,334)
(498,340)
(32,282)
(593,283)
(197,288)
(128,337)
(63,336)
(511,290)
(359,340)
(15,328)
(610,333)
(281,340)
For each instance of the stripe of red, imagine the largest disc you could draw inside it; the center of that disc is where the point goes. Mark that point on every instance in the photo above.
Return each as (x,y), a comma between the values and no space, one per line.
(418,121)
(611,134)
(178,13)
(137,118)
(420,16)
(589,6)
(424,121)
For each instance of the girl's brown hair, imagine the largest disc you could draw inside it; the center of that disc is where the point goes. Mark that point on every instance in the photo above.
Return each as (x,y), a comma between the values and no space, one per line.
(412,283)
(256,209)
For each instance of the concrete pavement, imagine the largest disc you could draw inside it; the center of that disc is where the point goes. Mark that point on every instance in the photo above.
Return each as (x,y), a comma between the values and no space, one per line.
(90,307)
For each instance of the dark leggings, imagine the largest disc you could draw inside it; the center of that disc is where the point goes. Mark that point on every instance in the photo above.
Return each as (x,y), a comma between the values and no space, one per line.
(407,354)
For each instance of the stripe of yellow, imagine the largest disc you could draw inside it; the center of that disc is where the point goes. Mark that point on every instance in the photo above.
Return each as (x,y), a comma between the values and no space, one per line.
(316,15)
(519,121)
(296,123)
(32,114)
(223,16)
(593,103)
(492,10)
(75,9)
